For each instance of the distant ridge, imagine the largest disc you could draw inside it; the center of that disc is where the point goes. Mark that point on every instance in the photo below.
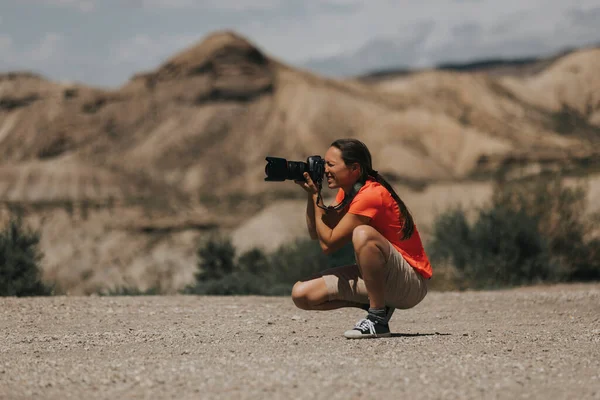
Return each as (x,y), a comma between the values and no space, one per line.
(519,66)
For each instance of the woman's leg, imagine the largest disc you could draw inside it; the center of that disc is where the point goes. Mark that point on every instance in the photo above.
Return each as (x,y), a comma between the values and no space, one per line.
(372,252)
(314,295)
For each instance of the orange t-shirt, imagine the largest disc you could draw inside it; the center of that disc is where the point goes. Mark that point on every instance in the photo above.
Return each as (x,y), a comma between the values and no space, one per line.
(374,201)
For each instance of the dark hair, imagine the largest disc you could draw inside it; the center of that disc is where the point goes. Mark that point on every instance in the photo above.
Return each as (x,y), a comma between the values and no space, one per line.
(355,151)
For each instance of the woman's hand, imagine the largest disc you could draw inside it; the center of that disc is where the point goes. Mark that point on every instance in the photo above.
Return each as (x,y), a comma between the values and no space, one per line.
(307,184)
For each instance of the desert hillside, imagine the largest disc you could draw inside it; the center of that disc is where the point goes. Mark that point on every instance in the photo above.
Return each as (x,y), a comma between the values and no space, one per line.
(124,183)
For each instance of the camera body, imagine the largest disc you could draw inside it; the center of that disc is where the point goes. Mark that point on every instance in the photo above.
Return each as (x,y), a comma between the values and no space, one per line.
(280,169)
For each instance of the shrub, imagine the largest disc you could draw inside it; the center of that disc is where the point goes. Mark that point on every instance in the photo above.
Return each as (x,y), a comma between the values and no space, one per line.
(215,259)
(258,273)
(451,239)
(298,260)
(531,232)
(130,291)
(509,249)
(254,262)
(219,274)
(236,283)
(20,273)
(560,214)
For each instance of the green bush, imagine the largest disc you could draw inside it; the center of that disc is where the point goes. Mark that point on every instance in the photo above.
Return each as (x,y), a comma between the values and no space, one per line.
(298,260)
(561,218)
(216,259)
(531,232)
(218,273)
(20,273)
(509,249)
(130,291)
(255,262)
(258,273)
(236,283)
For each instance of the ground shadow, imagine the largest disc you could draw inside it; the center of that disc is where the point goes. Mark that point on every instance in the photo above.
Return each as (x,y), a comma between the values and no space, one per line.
(419,334)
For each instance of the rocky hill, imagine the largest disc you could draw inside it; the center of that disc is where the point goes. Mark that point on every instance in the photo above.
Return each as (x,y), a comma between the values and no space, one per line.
(124,183)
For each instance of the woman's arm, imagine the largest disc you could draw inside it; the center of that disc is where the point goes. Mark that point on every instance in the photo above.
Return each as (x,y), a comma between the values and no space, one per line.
(310,218)
(334,237)
(331,229)
(310,189)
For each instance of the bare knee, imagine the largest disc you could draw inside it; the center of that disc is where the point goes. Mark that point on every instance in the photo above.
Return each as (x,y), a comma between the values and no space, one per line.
(364,235)
(309,294)
(301,295)
(367,240)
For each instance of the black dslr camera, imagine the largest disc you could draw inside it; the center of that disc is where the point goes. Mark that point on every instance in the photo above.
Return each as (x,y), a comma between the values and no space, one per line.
(280,169)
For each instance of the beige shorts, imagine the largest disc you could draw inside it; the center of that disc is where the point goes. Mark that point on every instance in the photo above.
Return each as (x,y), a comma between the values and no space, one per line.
(404,286)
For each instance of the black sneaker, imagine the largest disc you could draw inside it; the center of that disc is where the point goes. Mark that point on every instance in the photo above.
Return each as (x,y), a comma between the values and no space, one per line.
(365,328)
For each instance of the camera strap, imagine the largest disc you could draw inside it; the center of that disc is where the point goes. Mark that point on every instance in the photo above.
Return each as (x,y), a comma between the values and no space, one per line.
(347,198)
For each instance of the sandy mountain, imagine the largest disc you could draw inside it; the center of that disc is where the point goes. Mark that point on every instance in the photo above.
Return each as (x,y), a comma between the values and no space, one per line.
(124,183)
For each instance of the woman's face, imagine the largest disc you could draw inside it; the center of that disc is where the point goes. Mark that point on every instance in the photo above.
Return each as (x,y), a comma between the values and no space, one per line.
(337,173)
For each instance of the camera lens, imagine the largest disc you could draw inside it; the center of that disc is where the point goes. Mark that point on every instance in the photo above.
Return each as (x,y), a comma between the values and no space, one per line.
(276,169)
(296,169)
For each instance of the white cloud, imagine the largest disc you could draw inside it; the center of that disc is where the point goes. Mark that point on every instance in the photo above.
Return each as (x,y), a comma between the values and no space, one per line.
(458,31)
(240,5)
(81,5)
(325,34)
(47,51)
(6,53)
(50,47)
(243,5)
(5,43)
(163,3)
(223,5)
(343,2)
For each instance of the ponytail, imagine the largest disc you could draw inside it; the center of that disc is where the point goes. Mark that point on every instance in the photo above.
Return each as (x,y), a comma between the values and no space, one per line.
(406,219)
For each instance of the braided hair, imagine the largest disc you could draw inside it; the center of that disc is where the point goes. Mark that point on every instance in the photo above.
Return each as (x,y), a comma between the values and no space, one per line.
(355,151)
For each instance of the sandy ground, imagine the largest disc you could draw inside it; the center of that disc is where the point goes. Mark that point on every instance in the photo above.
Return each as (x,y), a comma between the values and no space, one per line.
(533,343)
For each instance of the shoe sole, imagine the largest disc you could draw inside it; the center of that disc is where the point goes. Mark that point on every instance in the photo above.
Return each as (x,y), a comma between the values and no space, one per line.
(353,334)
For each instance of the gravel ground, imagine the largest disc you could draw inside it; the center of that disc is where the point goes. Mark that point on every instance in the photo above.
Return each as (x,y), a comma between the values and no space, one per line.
(532,343)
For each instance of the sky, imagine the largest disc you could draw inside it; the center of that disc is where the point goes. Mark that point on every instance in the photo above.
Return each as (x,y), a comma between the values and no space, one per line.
(105,42)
